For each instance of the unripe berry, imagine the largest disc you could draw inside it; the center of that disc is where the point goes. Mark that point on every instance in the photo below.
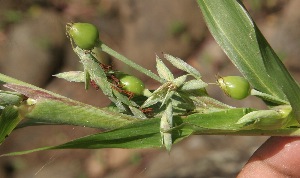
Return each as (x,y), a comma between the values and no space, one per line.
(131,84)
(84,35)
(234,86)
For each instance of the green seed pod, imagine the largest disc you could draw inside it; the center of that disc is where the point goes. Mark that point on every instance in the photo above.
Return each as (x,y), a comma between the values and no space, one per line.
(84,35)
(131,84)
(234,86)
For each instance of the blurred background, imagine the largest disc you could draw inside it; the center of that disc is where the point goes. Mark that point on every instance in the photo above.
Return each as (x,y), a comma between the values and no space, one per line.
(33,47)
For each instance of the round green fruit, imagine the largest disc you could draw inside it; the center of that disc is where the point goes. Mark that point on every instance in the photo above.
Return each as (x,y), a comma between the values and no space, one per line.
(132,84)
(84,35)
(235,86)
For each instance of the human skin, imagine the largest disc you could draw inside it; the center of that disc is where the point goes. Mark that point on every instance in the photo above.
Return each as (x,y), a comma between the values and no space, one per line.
(277,157)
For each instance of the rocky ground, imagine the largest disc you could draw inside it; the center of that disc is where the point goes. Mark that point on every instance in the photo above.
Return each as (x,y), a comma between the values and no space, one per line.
(33,47)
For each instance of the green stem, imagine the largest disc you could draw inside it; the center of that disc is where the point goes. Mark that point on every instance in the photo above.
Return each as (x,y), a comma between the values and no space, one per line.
(127,61)
(288,132)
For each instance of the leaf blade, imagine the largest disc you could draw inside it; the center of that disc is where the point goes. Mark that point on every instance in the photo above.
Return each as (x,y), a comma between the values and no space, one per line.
(180,64)
(9,119)
(163,71)
(236,35)
(72,76)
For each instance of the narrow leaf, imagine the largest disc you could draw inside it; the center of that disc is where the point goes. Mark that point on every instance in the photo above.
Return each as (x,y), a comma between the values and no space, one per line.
(206,104)
(146,133)
(193,85)
(130,63)
(55,109)
(268,97)
(180,64)
(58,112)
(167,97)
(9,119)
(72,76)
(220,120)
(166,124)
(124,99)
(179,81)
(245,45)
(10,98)
(163,70)
(157,95)
(277,70)
(235,32)
(263,119)
(137,113)
(98,76)
(118,104)
(153,99)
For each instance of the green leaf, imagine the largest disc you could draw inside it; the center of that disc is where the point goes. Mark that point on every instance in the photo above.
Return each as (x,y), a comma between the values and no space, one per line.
(268,97)
(129,62)
(72,76)
(180,64)
(220,120)
(55,109)
(146,133)
(118,104)
(193,85)
(163,70)
(166,123)
(10,98)
(142,134)
(237,34)
(182,102)
(6,80)
(167,97)
(124,99)
(234,31)
(282,77)
(137,113)
(157,96)
(179,81)
(8,121)
(206,104)
(96,73)
(263,119)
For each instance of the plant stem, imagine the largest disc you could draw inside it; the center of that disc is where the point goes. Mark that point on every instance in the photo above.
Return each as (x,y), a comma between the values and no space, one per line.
(288,132)
(129,62)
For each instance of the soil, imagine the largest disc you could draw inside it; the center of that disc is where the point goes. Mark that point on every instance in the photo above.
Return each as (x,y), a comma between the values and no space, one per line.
(33,47)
